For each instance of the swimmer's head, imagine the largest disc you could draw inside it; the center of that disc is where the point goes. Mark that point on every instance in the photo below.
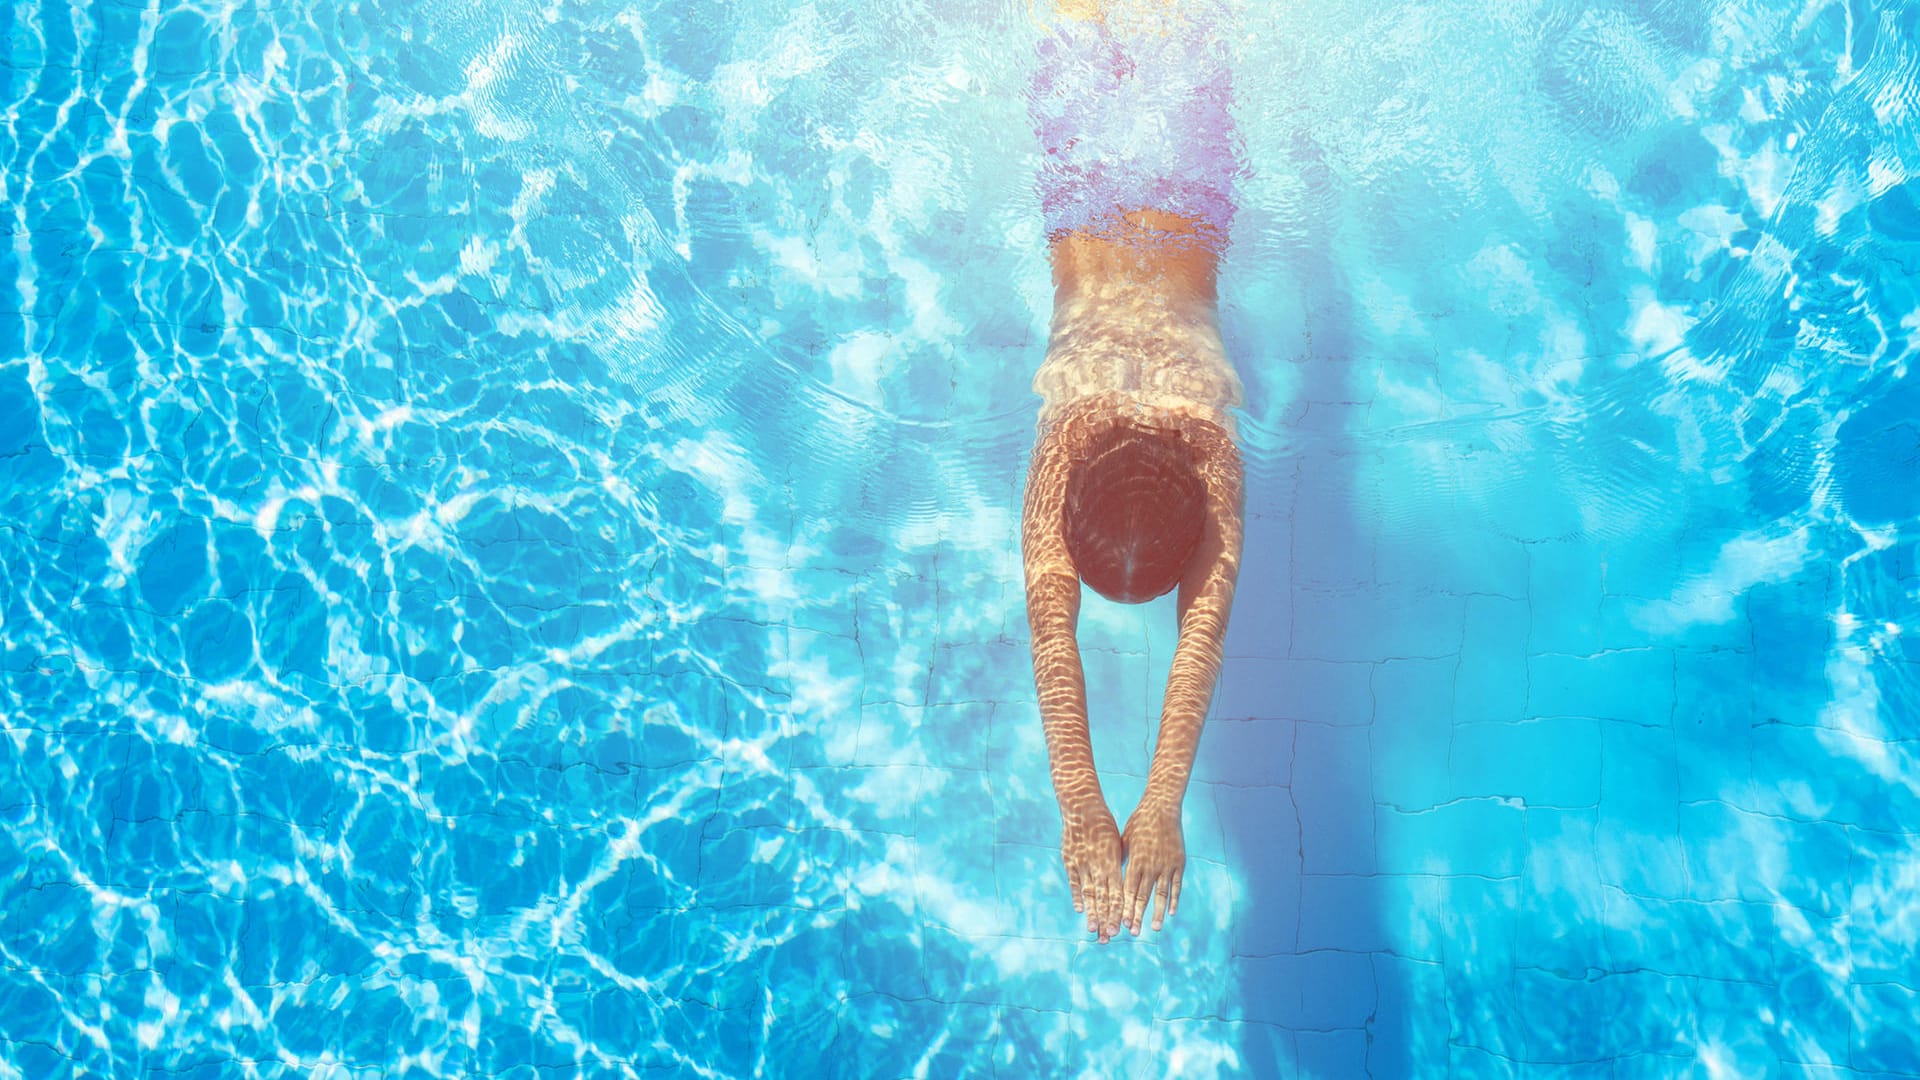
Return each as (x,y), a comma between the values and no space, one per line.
(1136,508)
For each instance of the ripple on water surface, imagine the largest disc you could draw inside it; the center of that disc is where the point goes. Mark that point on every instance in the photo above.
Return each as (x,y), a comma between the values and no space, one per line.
(511,547)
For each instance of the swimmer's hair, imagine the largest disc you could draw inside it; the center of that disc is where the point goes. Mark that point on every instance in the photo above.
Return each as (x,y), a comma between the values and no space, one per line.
(1135,511)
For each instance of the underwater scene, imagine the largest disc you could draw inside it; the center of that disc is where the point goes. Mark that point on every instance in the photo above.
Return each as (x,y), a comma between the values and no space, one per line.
(519,552)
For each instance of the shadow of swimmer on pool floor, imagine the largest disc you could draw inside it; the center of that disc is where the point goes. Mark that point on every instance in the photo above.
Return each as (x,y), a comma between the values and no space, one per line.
(1136,484)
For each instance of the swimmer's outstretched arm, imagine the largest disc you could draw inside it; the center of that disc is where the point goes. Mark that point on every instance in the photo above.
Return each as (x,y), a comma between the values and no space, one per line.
(1155,847)
(1089,839)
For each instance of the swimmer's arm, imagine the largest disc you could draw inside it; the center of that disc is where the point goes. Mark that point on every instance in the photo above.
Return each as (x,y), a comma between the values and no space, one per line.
(1155,847)
(1206,598)
(1089,837)
(1053,616)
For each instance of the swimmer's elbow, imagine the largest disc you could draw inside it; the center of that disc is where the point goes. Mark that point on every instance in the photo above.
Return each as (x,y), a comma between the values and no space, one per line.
(1053,602)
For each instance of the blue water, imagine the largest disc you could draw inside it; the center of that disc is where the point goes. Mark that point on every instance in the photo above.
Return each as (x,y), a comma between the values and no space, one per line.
(509,528)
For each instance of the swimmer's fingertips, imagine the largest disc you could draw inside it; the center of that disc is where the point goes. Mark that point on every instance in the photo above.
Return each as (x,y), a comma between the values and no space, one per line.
(1130,897)
(1112,912)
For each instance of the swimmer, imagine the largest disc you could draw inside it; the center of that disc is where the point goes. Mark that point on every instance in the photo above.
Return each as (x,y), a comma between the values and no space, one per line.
(1135,486)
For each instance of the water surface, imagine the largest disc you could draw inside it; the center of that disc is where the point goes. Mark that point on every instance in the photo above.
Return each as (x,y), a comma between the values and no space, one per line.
(510,549)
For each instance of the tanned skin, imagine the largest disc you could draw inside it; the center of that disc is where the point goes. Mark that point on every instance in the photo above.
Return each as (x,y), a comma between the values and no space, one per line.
(1114,874)
(1152,847)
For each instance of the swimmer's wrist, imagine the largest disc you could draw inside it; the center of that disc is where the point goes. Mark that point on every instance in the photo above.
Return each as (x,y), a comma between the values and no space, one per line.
(1164,794)
(1082,803)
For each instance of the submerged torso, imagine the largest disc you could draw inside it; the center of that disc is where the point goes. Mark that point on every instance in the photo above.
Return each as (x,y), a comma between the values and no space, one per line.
(1137,349)
(1136,189)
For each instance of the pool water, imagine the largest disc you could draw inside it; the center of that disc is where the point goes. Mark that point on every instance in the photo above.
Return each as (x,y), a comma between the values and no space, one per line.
(509,520)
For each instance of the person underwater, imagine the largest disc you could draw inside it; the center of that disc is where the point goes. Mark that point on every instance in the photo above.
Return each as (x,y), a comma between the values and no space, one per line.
(1136,486)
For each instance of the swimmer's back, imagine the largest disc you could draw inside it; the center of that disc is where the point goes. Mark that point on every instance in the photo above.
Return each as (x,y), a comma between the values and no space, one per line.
(1137,347)
(1137,202)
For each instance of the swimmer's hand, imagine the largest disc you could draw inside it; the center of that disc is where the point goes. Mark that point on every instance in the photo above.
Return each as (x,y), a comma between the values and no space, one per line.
(1156,859)
(1090,846)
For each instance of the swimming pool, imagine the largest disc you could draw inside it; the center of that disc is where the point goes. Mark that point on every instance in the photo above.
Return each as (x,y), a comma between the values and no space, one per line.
(511,560)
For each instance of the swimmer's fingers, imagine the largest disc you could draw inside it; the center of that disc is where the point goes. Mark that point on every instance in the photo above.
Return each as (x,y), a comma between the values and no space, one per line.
(1102,892)
(1115,908)
(1165,886)
(1097,905)
(1156,856)
(1090,847)
(1139,892)
(1169,897)
(1091,896)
